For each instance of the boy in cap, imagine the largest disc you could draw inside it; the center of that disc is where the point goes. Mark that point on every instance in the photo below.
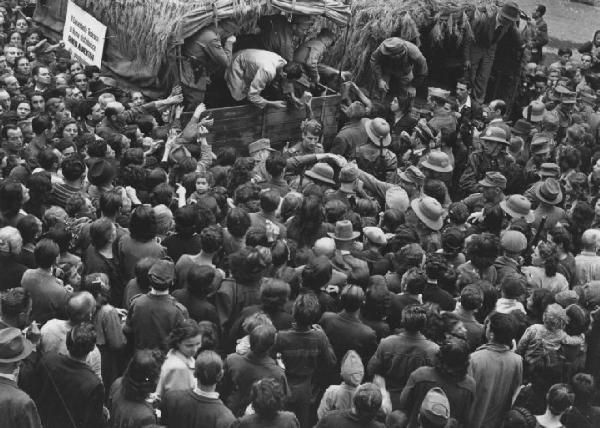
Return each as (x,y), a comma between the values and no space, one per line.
(152,316)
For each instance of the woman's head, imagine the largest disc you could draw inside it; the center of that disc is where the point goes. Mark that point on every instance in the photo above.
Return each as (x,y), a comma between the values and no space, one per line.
(238,222)
(578,320)
(377,299)
(11,198)
(267,397)
(274,294)
(453,358)
(30,228)
(539,300)
(247,265)
(559,399)
(186,338)
(519,417)
(482,250)
(546,254)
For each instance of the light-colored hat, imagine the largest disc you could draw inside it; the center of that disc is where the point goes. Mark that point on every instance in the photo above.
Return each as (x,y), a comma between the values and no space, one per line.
(13,346)
(518,206)
(429,211)
(436,407)
(321,172)
(375,235)
(378,131)
(513,241)
(343,231)
(412,174)
(495,133)
(397,198)
(535,111)
(438,161)
(258,145)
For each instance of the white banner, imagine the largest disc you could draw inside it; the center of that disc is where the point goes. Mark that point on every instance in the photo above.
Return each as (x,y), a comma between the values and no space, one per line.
(83,35)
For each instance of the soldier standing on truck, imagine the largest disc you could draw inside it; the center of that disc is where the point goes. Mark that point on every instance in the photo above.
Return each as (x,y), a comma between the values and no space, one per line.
(203,55)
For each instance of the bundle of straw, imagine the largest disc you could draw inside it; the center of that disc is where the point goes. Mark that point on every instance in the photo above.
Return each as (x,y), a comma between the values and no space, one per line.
(373,21)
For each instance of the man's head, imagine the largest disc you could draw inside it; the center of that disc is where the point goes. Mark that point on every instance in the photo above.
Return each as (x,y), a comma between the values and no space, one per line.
(11,53)
(291,71)
(317,273)
(414,318)
(496,109)
(81,340)
(114,113)
(500,328)
(11,84)
(42,76)
(262,338)
(161,275)
(463,89)
(435,409)
(269,200)
(586,62)
(471,298)
(275,164)
(15,306)
(311,134)
(326,36)
(589,240)
(208,368)
(80,307)
(14,138)
(352,298)
(81,82)
(539,11)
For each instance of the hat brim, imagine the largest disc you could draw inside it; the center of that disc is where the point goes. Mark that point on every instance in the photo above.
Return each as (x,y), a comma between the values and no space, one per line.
(318,177)
(510,18)
(487,183)
(352,238)
(529,218)
(386,141)
(27,350)
(538,194)
(437,168)
(496,140)
(432,224)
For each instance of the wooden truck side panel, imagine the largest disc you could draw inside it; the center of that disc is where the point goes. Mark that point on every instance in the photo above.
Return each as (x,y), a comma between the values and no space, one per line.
(240,125)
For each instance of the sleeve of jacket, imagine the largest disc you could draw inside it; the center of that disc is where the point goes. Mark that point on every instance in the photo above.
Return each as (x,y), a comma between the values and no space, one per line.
(328,358)
(376,58)
(220,55)
(419,65)
(93,415)
(27,416)
(261,79)
(295,162)
(375,186)
(391,163)
(468,180)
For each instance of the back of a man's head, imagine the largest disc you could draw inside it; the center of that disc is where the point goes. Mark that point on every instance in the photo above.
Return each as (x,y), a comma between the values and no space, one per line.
(414,318)
(209,368)
(502,328)
(14,302)
(352,298)
(317,273)
(45,253)
(80,307)
(324,247)
(589,240)
(81,340)
(262,339)
(269,200)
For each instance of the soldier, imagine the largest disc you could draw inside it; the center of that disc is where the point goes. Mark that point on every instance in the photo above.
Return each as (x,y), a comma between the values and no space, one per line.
(310,54)
(203,55)
(281,36)
(310,143)
(398,66)
(375,157)
(491,157)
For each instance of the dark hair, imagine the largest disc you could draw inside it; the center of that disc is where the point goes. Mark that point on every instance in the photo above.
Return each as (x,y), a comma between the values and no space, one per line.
(187,329)
(61,235)
(247,265)
(583,387)
(482,250)
(414,318)
(11,198)
(306,310)
(317,273)
(162,194)
(499,105)
(293,70)
(579,320)
(452,358)
(267,397)
(186,220)
(81,340)
(541,9)
(280,252)
(471,298)
(141,375)
(466,82)
(110,203)
(415,284)
(275,164)
(200,279)
(238,222)
(352,298)
(72,168)
(436,266)
(564,51)
(540,299)
(262,339)
(391,219)
(503,327)
(561,236)
(519,417)
(29,227)
(100,231)
(209,368)
(97,149)
(41,123)
(134,176)
(142,267)
(549,254)
(559,398)
(211,239)
(45,253)
(14,301)
(274,294)
(367,401)
(308,220)
(269,200)
(378,299)
(142,225)
(513,286)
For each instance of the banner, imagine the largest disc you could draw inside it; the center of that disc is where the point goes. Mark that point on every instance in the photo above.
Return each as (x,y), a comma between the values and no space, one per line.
(83,35)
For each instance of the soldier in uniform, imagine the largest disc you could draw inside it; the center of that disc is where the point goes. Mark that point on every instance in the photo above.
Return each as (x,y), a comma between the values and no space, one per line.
(491,157)
(281,36)
(375,157)
(312,130)
(310,53)
(203,55)
(399,67)
(492,192)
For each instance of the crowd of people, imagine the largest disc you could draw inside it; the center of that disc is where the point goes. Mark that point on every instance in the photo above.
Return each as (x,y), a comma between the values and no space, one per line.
(434,267)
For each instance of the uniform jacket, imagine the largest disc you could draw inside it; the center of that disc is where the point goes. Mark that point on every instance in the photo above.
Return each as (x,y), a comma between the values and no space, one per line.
(478,164)
(400,64)
(310,53)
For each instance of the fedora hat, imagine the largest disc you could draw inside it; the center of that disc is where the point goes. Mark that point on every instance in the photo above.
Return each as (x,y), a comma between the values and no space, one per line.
(321,172)
(438,161)
(510,10)
(522,127)
(429,211)
(343,231)
(378,131)
(375,235)
(534,112)
(13,346)
(548,169)
(549,191)
(495,133)
(518,206)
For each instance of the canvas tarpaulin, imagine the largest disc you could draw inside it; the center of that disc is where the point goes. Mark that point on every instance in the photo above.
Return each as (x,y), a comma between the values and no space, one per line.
(141,34)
